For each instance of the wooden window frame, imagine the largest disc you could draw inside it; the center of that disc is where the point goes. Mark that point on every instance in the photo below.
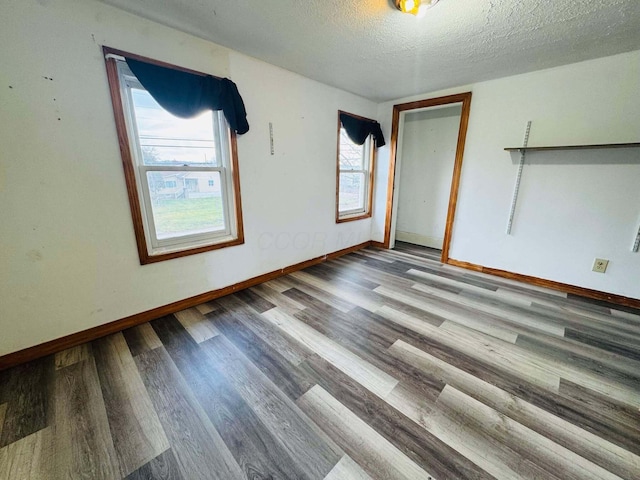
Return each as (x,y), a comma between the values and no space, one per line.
(342,218)
(129,166)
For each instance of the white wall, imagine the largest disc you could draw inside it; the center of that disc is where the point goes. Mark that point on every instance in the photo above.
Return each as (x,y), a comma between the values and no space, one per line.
(68,257)
(573,206)
(425,166)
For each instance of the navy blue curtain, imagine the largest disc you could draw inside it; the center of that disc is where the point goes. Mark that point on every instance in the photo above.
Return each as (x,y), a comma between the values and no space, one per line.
(359,129)
(186,94)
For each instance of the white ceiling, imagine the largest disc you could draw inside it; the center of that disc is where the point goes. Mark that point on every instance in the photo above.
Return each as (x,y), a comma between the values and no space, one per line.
(369,48)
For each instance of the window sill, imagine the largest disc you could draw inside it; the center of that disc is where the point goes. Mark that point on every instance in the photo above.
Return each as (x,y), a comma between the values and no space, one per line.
(146,258)
(352,217)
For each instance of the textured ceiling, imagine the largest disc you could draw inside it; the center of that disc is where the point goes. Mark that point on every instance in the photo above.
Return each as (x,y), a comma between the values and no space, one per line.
(369,48)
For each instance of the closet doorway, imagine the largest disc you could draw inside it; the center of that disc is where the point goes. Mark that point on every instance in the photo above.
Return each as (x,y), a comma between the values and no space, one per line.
(427,147)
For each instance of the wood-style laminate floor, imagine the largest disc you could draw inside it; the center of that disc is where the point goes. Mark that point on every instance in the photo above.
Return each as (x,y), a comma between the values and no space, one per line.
(377,365)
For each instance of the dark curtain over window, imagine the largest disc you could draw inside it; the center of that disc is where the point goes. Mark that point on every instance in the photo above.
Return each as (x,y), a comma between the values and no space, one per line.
(359,129)
(186,94)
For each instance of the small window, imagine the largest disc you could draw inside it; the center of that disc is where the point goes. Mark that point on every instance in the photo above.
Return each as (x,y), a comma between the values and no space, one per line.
(354,177)
(184,173)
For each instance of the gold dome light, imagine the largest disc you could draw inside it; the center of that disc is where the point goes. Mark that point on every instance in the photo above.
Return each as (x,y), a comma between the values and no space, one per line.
(415,7)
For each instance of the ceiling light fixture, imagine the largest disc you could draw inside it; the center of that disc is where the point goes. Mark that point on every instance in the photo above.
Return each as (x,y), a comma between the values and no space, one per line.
(415,7)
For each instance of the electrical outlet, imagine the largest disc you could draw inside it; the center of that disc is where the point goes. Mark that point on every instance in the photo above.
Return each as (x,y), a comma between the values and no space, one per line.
(600,265)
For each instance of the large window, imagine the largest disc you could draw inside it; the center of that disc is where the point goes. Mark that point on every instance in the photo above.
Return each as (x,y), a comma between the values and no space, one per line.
(354,176)
(181,174)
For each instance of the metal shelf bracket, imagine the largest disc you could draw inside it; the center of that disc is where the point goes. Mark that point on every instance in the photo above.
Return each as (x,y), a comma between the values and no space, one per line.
(516,189)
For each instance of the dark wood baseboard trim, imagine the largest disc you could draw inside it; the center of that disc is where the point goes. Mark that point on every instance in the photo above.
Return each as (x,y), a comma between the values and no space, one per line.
(78,338)
(379,244)
(541,282)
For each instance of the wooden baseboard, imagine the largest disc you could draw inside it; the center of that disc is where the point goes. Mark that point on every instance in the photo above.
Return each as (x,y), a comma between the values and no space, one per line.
(59,344)
(541,282)
(379,244)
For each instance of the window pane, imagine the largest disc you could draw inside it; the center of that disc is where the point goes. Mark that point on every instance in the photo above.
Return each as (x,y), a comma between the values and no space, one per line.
(352,192)
(351,155)
(168,140)
(186,203)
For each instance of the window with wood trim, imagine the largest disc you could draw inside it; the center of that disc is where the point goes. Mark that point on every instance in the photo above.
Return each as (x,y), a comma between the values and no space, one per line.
(181,174)
(354,179)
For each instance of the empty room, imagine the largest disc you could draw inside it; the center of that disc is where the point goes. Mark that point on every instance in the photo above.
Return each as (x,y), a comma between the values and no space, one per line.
(322,240)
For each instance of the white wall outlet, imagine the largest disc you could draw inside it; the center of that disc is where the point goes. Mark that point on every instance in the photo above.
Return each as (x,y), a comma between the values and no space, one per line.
(600,265)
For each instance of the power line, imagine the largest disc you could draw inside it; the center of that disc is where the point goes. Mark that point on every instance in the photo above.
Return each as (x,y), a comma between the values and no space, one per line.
(152,137)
